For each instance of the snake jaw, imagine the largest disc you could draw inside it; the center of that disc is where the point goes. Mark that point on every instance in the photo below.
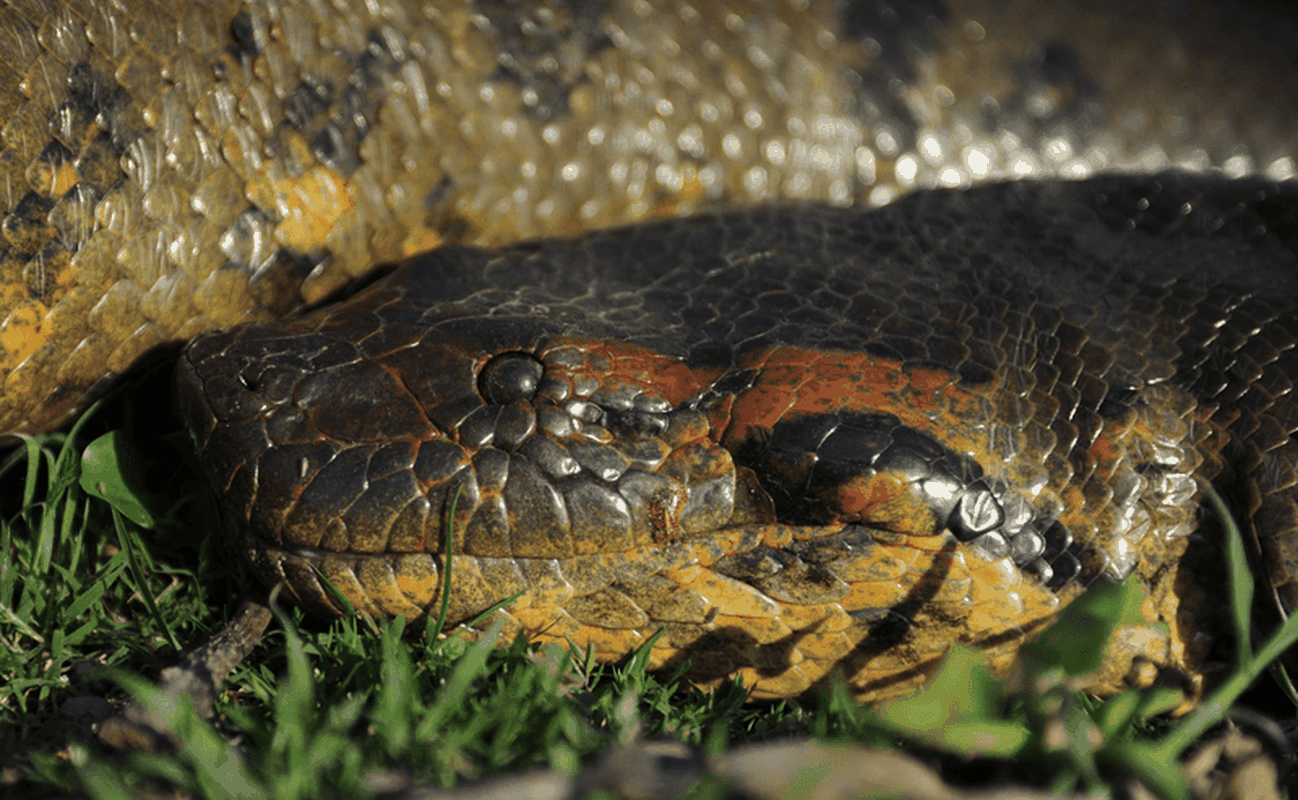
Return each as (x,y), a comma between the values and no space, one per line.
(787,495)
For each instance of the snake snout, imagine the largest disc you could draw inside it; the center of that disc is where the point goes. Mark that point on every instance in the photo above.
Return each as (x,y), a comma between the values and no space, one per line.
(629,445)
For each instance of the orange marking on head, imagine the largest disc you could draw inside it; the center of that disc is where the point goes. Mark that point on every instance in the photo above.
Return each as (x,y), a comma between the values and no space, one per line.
(884,500)
(796,380)
(678,383)
(760,408)
(929,381)
(777,356)
(873,497)
(657,374)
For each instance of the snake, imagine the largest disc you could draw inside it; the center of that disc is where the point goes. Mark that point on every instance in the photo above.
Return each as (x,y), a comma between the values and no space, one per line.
(852,401)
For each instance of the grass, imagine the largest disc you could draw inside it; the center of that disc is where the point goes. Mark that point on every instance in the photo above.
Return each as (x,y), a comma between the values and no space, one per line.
(109,572)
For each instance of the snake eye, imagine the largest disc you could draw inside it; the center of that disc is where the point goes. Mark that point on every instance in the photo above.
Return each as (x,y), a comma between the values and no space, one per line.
(510,377)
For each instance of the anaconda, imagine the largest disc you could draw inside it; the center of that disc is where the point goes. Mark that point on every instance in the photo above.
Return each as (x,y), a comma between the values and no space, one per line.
(795,441)
(172,170)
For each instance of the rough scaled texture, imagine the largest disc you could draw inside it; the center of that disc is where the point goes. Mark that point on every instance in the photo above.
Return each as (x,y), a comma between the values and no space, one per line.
(797,439)
(177,167)
(167,169)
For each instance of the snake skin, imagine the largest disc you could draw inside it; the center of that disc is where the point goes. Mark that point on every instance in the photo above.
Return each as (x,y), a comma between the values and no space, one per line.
(172,169)
(794,440)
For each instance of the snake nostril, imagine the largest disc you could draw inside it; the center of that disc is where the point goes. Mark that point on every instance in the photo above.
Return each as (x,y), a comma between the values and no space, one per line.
(510,377)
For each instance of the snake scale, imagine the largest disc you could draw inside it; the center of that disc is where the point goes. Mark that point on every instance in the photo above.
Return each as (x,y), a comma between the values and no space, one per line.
(795,439)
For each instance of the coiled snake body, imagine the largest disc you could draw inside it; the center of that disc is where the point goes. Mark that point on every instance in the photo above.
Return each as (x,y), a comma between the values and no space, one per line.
(797,440)
(794,439)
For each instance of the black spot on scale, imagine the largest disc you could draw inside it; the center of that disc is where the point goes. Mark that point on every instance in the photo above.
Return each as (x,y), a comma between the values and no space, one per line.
(336,116)
(899,35)
(243,35)
(24,225)
(307,100)
(93,97)
(539,54)
(1061,65)
(1119,401)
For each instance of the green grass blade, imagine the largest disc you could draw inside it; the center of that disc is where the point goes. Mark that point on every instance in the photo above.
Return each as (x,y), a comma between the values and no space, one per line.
(134,556)
(1240,576)
(444,605)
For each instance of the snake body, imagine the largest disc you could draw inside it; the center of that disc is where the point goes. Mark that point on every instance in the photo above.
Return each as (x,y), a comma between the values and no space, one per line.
(172,170)
(794,440)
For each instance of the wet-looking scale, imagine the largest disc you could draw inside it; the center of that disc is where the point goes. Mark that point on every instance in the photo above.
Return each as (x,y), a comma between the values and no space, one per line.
(794,440)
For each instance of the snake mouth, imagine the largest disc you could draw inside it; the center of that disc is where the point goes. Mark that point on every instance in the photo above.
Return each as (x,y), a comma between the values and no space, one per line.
(598,511)
(683,538)
(638,445)
(753,601)
(563,449)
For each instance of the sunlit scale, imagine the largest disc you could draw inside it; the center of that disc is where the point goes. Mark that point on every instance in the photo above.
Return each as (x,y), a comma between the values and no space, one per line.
(782,508)
(801,448)
(223,163)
